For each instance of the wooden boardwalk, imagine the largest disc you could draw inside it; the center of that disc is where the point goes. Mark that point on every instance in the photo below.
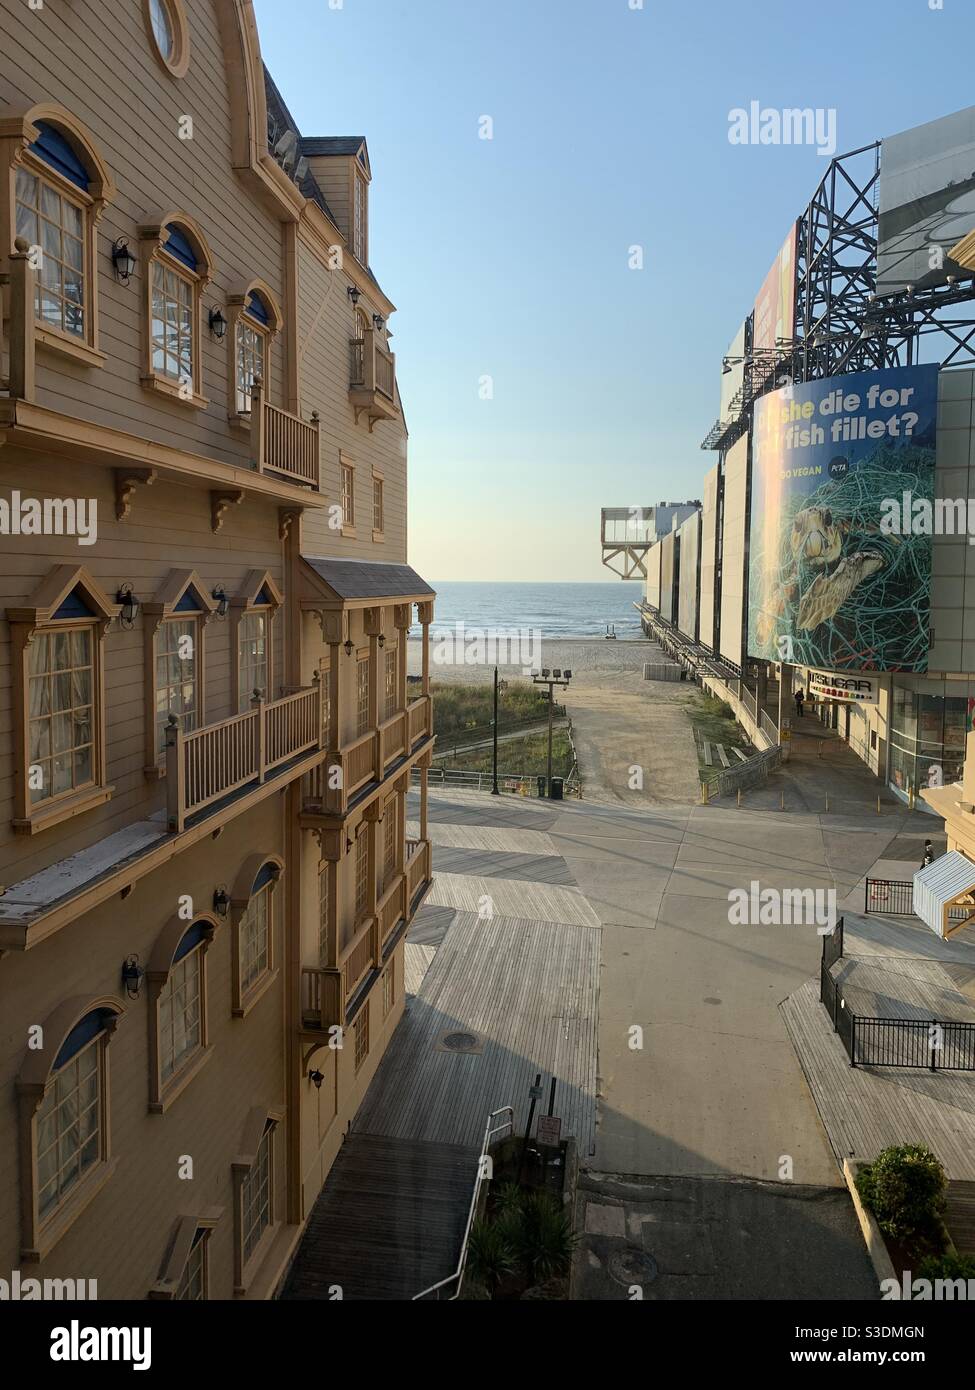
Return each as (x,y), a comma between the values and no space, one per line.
(527,991)
(491,1004)
(389,1222)
(960,1216)
(865,1109)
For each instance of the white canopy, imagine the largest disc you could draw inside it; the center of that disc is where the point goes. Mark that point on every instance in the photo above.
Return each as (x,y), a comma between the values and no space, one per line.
(943,886)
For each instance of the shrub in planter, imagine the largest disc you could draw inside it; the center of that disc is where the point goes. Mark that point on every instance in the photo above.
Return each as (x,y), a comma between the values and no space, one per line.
(949,1266)
(543,1239)
(904,1187)
(490,1253)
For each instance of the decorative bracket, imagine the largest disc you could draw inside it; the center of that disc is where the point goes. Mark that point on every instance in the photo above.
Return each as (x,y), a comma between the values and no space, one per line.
(219,502)
(126,482)
(287,517)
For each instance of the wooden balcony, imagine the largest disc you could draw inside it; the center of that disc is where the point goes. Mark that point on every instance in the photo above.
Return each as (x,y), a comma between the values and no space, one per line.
(283,443)
(330,787)
(214,762)
(326,991)
(372,378)
(420,720)
(392,739)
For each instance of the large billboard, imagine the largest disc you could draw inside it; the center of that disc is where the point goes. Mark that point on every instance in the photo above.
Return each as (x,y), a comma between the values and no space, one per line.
(732,375)
(653,576)
(689,537)
(707,626)
(833,583)
(926,202)
(668,561)
(734,538)
(775,304)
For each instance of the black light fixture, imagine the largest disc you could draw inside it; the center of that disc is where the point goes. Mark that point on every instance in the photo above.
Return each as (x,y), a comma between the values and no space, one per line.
(218,325)
(123,261)
(379,321)
(348,644)
(223,602)
(129,604)
(353,293)
(317,1076)
(221,901)
(381,640)
(132,976)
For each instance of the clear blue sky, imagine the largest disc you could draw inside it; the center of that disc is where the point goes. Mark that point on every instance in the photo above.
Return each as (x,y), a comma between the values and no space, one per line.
(508,257)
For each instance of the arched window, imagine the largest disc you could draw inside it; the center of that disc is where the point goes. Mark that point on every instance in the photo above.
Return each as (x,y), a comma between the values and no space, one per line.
(253,919)
(255,320)
(63,1091)
(178,268)
(177,980)
(61,187)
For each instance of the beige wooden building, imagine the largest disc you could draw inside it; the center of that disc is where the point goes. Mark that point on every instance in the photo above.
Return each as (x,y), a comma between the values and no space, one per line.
(208,732)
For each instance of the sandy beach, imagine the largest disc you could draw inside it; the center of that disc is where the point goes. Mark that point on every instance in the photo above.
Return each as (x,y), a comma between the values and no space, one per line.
(620,722)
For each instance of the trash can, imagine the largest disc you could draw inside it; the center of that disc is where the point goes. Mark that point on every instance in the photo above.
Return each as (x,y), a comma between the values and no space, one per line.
(557,785)
(541,786)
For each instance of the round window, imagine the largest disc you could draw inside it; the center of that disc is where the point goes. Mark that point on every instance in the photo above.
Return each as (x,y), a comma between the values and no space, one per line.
(166,20)
(162,28)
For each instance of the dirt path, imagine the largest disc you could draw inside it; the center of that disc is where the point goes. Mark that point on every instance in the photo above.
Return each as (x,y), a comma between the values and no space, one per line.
(630,723)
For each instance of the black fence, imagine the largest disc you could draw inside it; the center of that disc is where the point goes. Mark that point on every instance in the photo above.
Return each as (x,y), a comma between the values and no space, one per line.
(890,896)
(933,1044)
(833,945)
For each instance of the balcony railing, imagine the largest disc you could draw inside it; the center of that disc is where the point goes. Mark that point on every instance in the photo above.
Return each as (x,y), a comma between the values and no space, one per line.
(392,734)
(420,715)
(372,377)
(213,762)
(325,990)
(282,442)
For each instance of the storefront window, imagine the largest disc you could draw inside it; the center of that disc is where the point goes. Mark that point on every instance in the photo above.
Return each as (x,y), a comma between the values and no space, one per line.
(927,739)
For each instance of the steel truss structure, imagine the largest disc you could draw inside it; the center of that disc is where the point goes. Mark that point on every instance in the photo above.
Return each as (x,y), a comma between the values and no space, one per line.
(842,325)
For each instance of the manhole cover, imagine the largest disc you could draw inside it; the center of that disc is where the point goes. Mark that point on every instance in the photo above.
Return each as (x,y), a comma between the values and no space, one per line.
(632,1266)
(459,1041)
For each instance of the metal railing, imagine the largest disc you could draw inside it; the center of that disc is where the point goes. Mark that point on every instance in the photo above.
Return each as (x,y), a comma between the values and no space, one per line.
(515,783)
(752,772)
(892,897)
(833,945)
(931,1044)
(491,1131)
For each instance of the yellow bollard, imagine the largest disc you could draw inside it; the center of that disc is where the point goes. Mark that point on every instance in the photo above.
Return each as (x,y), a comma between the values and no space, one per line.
(739,796)
(827,803)
(781,801)
(879,812)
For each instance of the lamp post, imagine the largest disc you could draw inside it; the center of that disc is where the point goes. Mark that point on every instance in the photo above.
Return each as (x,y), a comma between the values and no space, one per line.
(551,679)
(498,685)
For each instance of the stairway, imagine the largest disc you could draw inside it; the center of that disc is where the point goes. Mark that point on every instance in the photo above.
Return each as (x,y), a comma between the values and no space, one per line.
(389,1221)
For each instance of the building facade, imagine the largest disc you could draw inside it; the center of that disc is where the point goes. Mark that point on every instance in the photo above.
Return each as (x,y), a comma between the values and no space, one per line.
(206,871)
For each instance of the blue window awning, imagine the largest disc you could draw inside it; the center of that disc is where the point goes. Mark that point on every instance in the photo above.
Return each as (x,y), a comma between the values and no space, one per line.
(54,149)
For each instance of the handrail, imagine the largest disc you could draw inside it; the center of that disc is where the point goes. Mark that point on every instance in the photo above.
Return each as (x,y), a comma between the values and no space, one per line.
(482,1177)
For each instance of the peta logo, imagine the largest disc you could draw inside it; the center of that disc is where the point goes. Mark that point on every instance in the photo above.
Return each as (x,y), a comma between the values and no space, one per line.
(77,1343)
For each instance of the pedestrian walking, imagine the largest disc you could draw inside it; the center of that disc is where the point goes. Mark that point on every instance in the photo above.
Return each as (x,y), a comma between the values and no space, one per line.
(928,854)
(800,698)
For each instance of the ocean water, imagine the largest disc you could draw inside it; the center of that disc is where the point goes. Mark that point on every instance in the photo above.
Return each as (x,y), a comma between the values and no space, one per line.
(558,610)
